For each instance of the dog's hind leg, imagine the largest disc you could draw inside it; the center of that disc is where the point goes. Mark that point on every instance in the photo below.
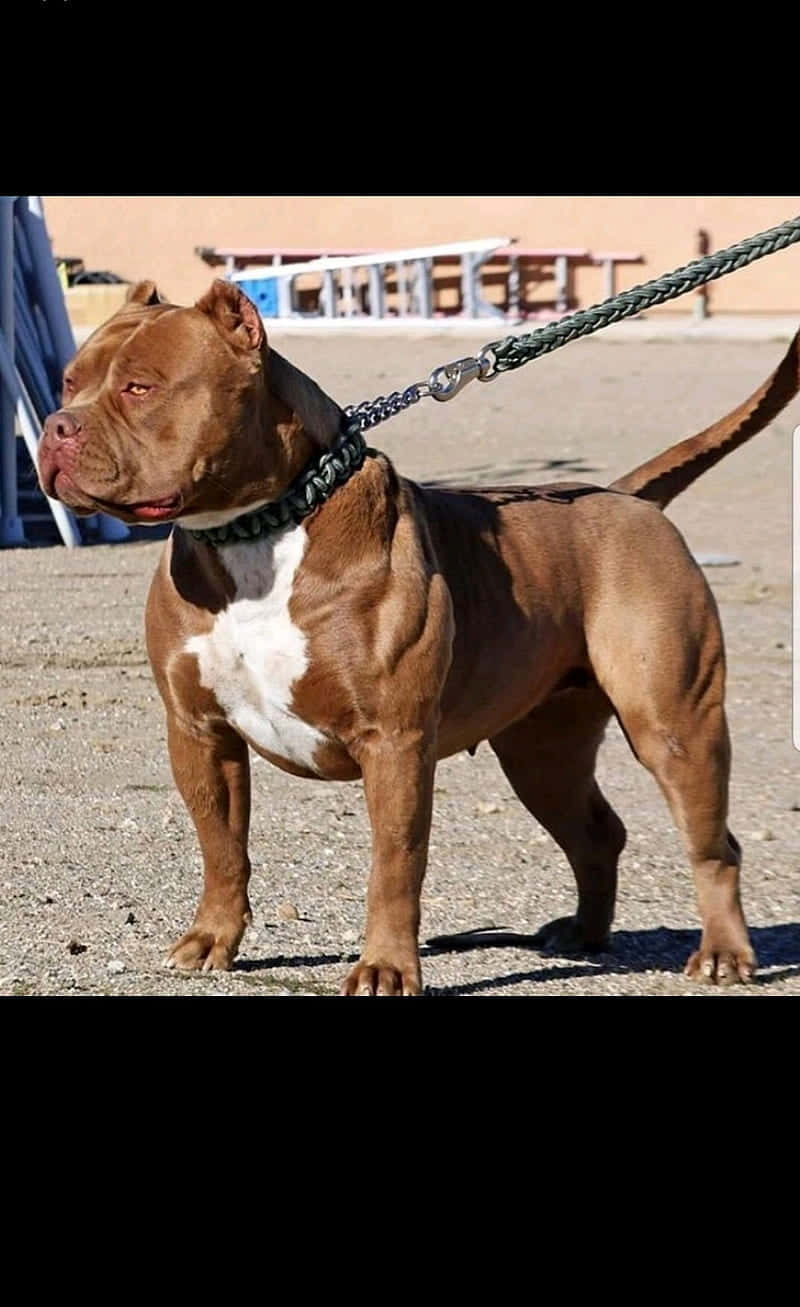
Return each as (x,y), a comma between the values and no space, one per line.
(549,759)
(666,681)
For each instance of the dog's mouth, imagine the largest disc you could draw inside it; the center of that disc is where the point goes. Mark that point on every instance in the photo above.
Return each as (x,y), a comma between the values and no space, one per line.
(59,484)
(146,510)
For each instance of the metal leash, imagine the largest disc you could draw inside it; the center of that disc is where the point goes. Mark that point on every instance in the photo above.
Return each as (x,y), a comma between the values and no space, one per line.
(504,355)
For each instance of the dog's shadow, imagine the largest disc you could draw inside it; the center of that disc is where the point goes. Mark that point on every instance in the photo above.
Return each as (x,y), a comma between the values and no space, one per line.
(660,949)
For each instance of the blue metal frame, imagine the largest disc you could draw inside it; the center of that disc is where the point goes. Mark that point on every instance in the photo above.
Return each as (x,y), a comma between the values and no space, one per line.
(11,531)
(37,342)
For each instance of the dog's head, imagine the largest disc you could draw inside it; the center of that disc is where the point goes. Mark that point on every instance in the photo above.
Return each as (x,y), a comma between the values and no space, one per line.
(167,414)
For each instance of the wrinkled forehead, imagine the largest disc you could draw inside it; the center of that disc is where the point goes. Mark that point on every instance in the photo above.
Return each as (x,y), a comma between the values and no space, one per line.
(161,337)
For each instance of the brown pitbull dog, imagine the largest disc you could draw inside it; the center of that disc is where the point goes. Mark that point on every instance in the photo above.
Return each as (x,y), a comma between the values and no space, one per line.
(371,631)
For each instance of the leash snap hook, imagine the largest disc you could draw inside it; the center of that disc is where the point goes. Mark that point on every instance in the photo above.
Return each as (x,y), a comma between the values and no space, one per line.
(448,380)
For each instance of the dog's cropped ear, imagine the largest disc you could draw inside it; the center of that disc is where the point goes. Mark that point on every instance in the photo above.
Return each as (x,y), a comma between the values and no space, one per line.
(144,292)
(235,316)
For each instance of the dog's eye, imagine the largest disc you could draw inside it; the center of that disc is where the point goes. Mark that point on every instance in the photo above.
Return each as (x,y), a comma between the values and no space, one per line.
(136,388)
(69,385)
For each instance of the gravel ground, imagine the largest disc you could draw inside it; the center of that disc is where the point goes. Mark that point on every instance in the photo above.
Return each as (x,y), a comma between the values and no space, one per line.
(99,866)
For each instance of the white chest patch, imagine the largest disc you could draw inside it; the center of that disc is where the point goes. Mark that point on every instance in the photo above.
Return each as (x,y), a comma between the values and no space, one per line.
(254,653)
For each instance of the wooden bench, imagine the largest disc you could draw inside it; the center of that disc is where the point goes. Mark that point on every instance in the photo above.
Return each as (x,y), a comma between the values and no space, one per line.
(520,264)
(609,261)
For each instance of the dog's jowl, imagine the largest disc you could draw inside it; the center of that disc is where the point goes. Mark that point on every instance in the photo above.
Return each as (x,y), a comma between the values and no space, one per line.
(313,605)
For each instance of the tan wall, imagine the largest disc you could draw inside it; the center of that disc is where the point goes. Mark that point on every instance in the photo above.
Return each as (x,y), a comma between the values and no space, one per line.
(155,236)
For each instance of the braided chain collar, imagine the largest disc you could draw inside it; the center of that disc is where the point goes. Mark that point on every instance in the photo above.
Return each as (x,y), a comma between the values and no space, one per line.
(312,487)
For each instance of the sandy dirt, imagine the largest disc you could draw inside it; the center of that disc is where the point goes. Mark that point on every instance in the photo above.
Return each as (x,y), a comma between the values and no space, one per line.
(99,866)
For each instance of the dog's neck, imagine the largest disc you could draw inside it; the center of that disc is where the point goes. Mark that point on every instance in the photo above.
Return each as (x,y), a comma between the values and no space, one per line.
(314,453)
(314,411)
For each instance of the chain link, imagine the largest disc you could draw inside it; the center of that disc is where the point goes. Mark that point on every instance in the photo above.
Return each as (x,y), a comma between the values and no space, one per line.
(370,413)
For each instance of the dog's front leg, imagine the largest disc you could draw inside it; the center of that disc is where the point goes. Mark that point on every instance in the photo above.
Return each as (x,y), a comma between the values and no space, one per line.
(212,772)
(398,784)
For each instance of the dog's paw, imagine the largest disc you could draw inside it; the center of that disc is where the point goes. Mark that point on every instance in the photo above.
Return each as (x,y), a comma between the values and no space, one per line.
(567,936)
(382,979)
(213,941)
(201,950)
(712,966)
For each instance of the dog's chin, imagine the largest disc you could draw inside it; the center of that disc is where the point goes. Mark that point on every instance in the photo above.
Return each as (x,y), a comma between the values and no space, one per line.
(145,511)
(59,485)
(78,510)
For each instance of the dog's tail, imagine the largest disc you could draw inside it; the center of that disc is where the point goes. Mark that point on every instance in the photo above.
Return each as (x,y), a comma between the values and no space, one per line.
(666,475)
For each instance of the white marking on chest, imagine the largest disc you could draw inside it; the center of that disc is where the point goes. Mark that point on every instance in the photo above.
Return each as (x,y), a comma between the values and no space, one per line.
(255,653)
